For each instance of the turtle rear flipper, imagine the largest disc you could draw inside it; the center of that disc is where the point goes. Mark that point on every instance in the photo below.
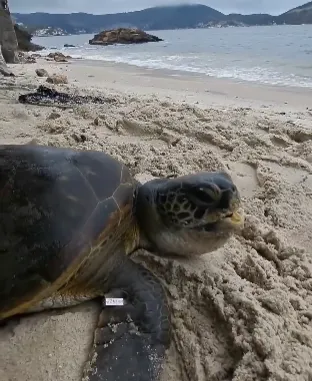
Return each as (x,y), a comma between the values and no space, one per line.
(133,344)
(126,355)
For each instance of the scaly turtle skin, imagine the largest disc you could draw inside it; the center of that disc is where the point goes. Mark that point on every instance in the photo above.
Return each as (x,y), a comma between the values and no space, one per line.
(69,222)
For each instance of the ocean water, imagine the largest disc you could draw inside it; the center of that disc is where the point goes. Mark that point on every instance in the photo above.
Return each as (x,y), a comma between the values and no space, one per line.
(276,55)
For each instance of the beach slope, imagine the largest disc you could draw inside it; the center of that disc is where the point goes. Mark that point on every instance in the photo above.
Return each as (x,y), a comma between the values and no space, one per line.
(241,313)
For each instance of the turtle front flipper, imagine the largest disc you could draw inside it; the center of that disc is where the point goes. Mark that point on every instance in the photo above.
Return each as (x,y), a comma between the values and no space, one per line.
(131,347)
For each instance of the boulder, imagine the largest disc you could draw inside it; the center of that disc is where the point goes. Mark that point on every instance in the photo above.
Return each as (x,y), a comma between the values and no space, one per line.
(123,36)
(36,55)
(58,57)
(42,73)
(26,58)
(53,116)
(57,79)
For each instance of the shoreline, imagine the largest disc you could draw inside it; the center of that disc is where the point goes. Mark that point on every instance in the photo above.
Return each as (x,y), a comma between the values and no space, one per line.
(182,73)
(227,91)
(197,89)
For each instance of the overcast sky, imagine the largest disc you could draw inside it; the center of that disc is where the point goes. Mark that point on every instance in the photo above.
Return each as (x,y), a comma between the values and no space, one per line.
(114,6)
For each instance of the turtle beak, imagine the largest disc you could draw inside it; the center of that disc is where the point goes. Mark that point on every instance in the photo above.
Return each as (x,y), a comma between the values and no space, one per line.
(237,218)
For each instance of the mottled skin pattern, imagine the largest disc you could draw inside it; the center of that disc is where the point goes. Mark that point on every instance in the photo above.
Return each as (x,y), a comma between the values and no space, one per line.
(69,221)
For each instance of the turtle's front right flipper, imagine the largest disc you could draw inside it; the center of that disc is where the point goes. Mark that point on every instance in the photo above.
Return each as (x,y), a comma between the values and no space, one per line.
(132,345)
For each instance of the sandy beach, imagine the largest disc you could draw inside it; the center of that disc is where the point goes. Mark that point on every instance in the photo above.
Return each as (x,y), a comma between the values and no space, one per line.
(241,313)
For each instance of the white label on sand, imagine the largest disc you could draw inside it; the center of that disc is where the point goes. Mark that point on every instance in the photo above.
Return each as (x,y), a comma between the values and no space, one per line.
(114,301)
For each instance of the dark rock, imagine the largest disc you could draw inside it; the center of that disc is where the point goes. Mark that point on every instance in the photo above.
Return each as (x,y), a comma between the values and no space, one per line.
(123,36)
(44,96)
(58,57)
(42,73)
(69,46)
(79,138)
(36,55)
(8,41)
(54,115)
(24,40)
(25,58)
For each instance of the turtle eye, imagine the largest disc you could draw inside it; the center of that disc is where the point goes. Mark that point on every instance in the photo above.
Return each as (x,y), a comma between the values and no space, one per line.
(205,195)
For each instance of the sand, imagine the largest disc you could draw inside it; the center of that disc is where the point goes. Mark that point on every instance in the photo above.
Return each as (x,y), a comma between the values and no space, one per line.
(241,313)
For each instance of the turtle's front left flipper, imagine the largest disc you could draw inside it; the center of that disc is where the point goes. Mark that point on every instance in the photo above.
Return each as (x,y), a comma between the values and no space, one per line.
(132,345)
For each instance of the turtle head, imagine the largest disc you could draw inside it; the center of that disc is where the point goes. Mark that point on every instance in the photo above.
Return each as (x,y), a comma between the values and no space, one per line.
(188,215)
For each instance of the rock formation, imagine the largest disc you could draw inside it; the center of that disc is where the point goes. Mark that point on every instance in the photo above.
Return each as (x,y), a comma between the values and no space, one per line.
(123,36)
(8,40)
(57,79)
(24,40)
(58,57)
(42,73)
(4,70)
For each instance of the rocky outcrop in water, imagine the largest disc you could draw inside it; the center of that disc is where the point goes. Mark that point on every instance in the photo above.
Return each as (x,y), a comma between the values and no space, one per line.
(8,39)
(123,36)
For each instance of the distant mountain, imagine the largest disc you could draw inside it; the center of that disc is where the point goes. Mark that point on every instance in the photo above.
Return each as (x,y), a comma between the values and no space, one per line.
(158,18)
(253,19)
(302,8)
(295,16)
(299,15)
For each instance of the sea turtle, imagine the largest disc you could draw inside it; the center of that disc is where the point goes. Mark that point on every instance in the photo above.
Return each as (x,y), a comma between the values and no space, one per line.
(70,219)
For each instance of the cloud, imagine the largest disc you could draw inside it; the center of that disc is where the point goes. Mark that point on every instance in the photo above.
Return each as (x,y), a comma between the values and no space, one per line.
(114,6)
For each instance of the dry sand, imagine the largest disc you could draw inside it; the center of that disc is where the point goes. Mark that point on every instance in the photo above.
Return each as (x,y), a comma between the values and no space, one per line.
(242,313)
